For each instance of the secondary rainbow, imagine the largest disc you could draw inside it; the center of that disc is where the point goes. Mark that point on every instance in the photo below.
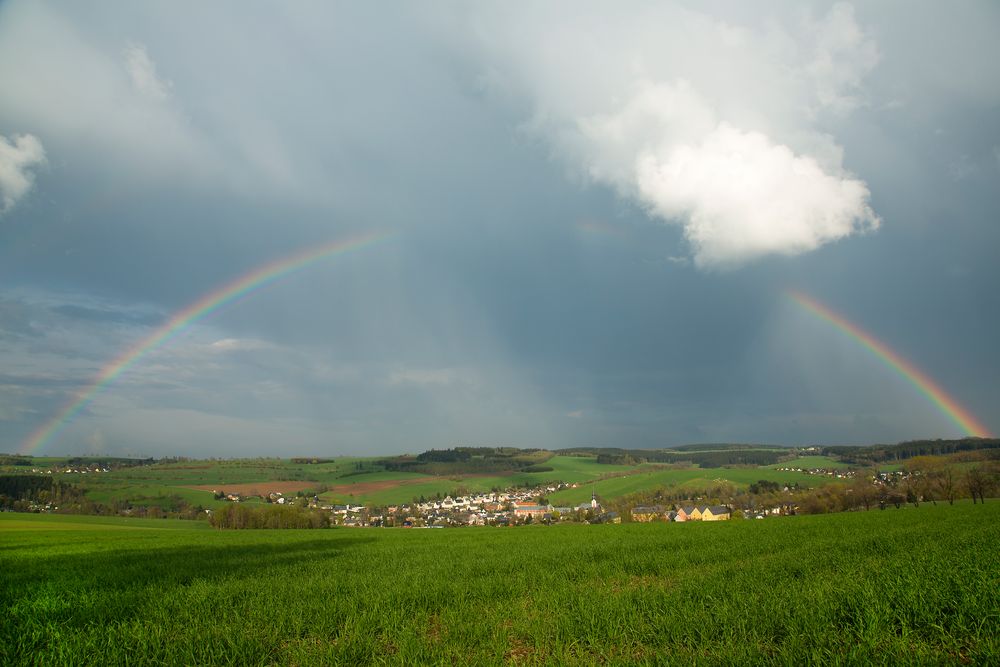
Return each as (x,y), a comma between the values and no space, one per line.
(228,293)
(945,403)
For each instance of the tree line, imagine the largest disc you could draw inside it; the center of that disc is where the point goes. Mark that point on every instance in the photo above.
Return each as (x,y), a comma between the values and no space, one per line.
(704,459)
(866,455)
(467,460)
(238,516)
(923,479)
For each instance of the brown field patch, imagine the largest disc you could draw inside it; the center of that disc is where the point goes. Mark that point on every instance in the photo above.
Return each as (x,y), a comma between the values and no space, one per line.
(381,485)
(258,488)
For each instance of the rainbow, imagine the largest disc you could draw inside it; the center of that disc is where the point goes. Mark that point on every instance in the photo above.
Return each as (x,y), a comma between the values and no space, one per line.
(206,305)
(945,403)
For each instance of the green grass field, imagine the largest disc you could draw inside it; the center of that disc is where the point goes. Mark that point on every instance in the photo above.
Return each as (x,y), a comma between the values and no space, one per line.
(695,479)
(620,480)
(351,479)
(912,586)
(564,468)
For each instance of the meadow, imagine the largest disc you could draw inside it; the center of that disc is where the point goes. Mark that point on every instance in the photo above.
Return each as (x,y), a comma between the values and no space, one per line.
(608,481)
(917,585)
(166,483)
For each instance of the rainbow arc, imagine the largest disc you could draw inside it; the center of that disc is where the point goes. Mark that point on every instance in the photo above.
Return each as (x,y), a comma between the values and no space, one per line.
(236,289)
(947,404)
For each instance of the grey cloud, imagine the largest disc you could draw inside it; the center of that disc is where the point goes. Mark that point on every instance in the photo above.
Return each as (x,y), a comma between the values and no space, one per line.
(20,156)
(534,274)
(37,381)
(105,315)
(704,123)
(142,72)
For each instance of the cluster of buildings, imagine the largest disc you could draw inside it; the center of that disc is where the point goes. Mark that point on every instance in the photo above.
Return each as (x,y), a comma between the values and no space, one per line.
(66,471)
(488,509)
(838,473)
(690,513)
(506,508)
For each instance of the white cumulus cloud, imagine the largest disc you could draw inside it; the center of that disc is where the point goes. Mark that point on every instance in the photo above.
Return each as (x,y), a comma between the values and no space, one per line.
(711,124)
(740,196)
(19,156)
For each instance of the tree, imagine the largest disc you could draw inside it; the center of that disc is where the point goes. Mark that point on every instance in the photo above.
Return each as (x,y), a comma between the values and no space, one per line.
(863,490)
(929,472)
(979,482)
(910,490)
(949,483)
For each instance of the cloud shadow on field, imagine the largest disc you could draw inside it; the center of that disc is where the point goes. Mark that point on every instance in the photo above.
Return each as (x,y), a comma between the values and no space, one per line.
(109,585)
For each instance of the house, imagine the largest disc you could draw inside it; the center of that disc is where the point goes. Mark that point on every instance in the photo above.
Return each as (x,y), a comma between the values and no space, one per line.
(715,513)
(523,510)
(695,513)
(684,514)
(648,513)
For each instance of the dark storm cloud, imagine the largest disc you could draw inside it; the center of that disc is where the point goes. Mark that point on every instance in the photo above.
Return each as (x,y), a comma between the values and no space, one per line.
(102,315)
(545,284)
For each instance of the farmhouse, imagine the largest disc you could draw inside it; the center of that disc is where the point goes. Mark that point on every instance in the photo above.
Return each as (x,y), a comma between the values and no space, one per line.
(698,513)
(648,513)
(684,514)
(715,513)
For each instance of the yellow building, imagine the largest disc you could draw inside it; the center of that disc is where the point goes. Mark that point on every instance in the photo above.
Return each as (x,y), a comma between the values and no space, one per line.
(715,513)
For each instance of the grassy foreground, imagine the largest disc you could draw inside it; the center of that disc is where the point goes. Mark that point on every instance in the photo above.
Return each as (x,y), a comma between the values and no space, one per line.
(908,586)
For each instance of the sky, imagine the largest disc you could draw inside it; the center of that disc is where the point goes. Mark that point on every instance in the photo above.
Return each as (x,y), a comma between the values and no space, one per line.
(590,222)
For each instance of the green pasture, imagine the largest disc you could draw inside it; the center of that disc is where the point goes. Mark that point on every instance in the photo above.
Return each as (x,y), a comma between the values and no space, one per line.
(378,476)
(912,586)
(564,468)
(155,485)
(234,471)
(695,479)
(151,495)
(10,521)
(618,480)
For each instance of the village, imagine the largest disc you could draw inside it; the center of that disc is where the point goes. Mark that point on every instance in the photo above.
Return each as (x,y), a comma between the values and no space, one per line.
(503,508)
(523,506)
(515,506)
(829,472)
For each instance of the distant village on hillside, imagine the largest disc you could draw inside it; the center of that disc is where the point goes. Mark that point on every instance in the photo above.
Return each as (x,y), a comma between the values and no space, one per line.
(509,508)
(286,493)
